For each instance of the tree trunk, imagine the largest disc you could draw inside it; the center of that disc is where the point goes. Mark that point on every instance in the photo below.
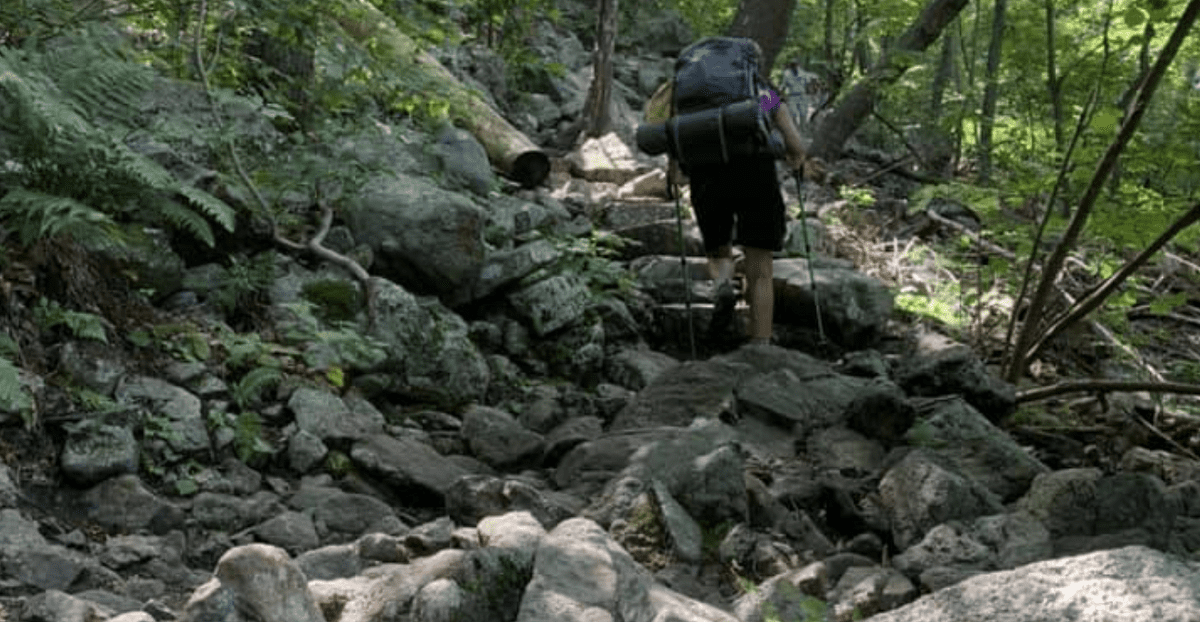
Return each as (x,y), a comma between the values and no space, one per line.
(1022,350)
(767,22)
(990,94)
(507,148)
(831,62)
(941,78)
(598,109)
(1053,85)
(859,102)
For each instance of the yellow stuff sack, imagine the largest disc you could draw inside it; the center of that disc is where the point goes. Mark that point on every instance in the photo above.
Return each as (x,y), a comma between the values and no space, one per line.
(658,108)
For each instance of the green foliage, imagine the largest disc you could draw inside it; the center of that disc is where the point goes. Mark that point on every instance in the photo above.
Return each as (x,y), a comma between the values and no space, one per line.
(594,258)
(13,395)
(49,314)
(342,345)
(69,171)
(250,388)
(333,300)
(858,197)
(243,282)
(248,442)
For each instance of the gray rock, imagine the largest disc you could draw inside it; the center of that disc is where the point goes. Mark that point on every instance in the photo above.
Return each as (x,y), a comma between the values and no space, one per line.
(430,537)
(330,419)
(464,161)
(428,347)
(1169,467)
(801,402)
(497,439)
(1085,510)
(846,452)
(441,600)
(919,493)
(569,434)
(854,307)
(792,595)
(54,604)
(978,449)
(29,560)
(581,574)
(93,453)
(232,513)
(474,497)
(382,547)
(122,551)
(389,588)
(503,268)
(700,468)
(180,411)
(346,513)
(305,451)
(941,366)
(293,532)
(407,464)
(683,531)
(697,389)
(258,579)
(512,217)
(124,504)
(519,532)
(552,303)
(336,561)
(89,365)
(605,159)
(421,236)
(1132,584)
(594,463)
(883,413)
(635,368)
(9,493)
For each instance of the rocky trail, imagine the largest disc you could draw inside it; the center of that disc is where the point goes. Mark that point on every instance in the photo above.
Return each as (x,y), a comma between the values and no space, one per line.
(867,479)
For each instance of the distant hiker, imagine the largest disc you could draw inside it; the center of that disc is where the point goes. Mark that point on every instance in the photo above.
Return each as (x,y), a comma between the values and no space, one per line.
(724,127)
(806,93)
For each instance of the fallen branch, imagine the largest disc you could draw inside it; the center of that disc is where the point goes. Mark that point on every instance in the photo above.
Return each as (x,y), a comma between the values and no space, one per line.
(1105,386)
(978,239)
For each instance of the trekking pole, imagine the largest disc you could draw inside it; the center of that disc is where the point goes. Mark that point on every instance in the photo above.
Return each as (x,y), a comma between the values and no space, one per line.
(798,174)
(687,279)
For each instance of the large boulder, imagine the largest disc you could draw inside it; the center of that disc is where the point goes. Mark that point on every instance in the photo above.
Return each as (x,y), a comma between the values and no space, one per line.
(980,450)
(429,351)
(854,307)
(260,580)
(464,161)
(580,574)
(1132,584)
(941,366)
(920,492)
(423,237)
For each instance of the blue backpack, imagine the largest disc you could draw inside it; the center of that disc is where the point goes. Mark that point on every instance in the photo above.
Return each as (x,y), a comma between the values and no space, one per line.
(720,107)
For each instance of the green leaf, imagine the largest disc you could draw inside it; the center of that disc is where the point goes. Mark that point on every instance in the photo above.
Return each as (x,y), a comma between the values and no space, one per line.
(1135,16)
(336,376)
(1167,304)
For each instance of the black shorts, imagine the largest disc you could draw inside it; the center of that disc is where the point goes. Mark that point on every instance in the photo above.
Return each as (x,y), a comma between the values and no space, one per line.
(744,192)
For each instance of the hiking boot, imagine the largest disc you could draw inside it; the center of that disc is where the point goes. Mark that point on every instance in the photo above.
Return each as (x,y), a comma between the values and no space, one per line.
(725,303)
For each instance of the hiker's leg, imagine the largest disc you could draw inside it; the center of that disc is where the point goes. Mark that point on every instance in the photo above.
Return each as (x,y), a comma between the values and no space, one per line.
(720,263)
(760,292)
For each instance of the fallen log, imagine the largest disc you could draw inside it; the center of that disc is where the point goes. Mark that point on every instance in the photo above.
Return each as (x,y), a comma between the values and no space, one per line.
(508,149)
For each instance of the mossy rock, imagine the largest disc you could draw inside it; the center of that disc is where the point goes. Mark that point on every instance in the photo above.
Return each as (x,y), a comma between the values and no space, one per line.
(334,300)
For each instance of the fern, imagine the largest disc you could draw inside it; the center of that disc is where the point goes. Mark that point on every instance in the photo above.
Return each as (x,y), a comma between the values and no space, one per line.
(35,215)
(252,385)
(13,397)
(54,108)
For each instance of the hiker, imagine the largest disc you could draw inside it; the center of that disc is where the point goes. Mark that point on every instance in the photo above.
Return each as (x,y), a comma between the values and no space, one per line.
(735,190)
(746,195)
(806,94)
